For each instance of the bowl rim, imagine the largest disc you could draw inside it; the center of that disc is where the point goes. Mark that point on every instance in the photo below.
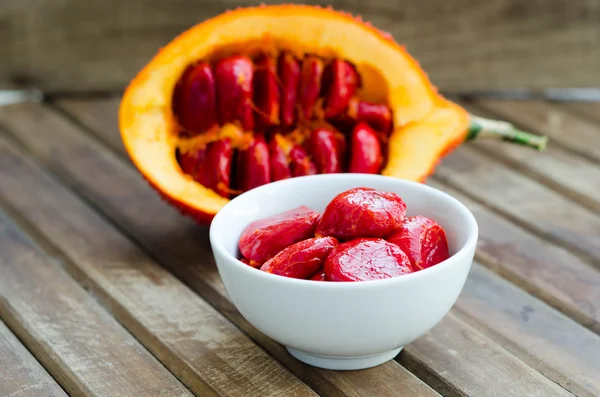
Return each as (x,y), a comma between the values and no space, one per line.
(468,246)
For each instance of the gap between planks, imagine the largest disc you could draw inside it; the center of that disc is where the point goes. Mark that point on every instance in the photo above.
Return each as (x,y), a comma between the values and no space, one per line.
(150,244)
(21,375)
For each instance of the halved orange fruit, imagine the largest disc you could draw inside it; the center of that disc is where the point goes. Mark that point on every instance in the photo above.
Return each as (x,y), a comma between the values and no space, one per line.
(265,93)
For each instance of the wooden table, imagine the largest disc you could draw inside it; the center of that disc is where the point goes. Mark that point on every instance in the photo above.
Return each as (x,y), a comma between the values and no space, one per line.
(105,290)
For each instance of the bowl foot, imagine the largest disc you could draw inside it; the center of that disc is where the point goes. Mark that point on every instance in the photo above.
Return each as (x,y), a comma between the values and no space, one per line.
(344,362)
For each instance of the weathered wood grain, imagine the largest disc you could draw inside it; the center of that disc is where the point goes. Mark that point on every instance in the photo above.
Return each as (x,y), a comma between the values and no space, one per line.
(208,353)
(586,109)
(180,245)
(545,270)
(101,44)
(158,235)
(525,201)
(96,114)
(548,271)
(79,343)
(545,339)
(561,169)
(460,361)
(20,373)
(571,131)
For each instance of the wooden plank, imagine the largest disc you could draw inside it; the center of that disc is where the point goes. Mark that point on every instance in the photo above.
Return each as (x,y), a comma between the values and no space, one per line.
(208,353)
(565,171)
(458,360)
(192,247)
(586,109)
(20,374)
(187,247)
(79,343)
(549,272)
(96,114)
(523,200)
(545,339)
(578,134)
(68,45)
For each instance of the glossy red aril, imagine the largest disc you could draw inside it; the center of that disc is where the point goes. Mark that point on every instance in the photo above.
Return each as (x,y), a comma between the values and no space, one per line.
(423,240)
(300,163)
(362,212)
(234,81)
(195,99)
(253,165)
(278,160)
(366,156)
(266,92)
(302,259)
(343,81)
(365,259)
(265,238)
(215,170)
(190,160)
(289,76)
(377,116)
(311,75)
(326,151)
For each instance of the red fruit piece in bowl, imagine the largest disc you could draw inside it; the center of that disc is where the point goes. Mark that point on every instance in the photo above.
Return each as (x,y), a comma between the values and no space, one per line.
(423,240)
(300,260)
(366,259)
(263,239)
(362,212)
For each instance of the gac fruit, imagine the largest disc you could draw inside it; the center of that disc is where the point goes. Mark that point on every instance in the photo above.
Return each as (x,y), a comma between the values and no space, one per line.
(261,75)
(293,69)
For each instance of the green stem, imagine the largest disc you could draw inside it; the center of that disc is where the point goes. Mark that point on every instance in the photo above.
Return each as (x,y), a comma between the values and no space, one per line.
(482,128)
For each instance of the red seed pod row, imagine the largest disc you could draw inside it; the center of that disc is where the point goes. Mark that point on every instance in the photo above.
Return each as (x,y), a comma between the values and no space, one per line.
(262,161)
(268,91)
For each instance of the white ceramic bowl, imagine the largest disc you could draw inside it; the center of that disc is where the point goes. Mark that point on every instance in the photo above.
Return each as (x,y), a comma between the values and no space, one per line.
(343,325)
